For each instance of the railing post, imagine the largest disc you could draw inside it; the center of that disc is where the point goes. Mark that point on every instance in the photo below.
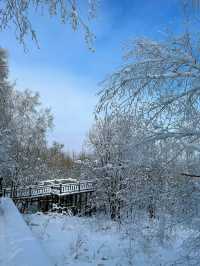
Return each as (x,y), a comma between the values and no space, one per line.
(60,188)
(79,186)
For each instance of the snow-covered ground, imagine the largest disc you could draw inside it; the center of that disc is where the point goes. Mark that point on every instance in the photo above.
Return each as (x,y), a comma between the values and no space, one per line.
(18,246)
(78,241)
(60,240)
(91,241)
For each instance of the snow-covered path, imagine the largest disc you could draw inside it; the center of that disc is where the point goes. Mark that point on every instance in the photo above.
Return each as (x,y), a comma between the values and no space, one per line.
(18,246)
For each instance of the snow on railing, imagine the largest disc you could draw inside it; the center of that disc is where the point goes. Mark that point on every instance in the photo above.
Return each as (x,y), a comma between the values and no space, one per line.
(76,187)
(38,191)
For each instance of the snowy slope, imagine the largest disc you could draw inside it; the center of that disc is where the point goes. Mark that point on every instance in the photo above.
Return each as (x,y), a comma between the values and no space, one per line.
(18,247)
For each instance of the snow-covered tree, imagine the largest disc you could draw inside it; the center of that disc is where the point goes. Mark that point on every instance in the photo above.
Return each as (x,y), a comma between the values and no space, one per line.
(161,84)
(6,125)
(31,124)
(109,139)
(23,131)
(158,93)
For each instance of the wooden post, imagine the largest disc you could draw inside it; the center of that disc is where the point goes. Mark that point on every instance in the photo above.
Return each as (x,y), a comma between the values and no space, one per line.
(11,191)
(70,200)
(30,191)
(75,203)
(59,196)
(14,193)
(46,204)
(80,202)
(73,200)
(27,205)
(39,204)
(52,200)
(1,187)
(86,200)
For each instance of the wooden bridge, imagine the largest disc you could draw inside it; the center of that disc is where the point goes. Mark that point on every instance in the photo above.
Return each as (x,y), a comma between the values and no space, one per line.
(65,195)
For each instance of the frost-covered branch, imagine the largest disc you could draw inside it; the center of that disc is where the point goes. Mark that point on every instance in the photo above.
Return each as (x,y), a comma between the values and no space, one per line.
(17,12)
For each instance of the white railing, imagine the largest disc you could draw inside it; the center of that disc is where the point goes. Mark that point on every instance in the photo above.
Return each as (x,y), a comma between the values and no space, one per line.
(62,189)
(68,188)
(77,187)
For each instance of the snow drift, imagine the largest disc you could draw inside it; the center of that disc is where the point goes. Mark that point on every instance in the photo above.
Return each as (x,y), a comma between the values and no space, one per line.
(18,247)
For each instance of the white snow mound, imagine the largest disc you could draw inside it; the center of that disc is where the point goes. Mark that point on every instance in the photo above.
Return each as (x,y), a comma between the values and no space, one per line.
(18,247)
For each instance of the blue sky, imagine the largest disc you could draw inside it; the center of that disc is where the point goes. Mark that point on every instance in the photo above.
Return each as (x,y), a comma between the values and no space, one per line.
(67,74)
